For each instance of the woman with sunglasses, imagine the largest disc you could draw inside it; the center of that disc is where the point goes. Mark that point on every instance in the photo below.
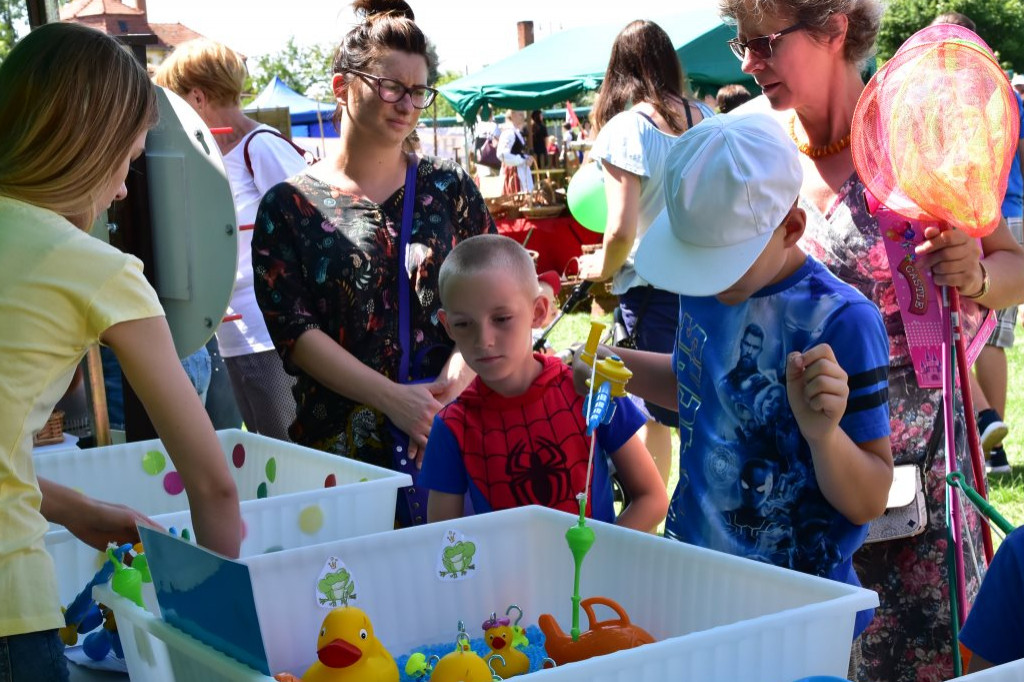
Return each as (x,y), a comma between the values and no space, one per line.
(807,57)
(331,276)
(640,112)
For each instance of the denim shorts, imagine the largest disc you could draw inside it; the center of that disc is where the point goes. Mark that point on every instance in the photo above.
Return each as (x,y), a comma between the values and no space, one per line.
(33,657)
(658,312)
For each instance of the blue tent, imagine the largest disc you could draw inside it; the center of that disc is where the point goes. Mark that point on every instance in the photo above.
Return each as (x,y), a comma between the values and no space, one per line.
(303,110)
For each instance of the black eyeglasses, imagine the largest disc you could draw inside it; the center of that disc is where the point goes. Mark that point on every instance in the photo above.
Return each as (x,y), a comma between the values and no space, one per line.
(391,91)
(761,46)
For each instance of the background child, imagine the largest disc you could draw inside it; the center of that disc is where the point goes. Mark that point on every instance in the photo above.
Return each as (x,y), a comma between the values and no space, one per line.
(762,325)
(550,284)
(75,108)
(516,435)
(994,631)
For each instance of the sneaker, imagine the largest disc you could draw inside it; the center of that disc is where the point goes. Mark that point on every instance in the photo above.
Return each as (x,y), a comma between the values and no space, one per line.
(997,461)
(992,430)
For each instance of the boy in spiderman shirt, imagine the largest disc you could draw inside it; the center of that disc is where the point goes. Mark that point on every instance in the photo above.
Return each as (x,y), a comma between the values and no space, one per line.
(516,435)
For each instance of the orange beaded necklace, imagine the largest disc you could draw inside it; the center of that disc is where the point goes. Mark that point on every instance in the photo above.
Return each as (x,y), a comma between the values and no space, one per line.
(807,149)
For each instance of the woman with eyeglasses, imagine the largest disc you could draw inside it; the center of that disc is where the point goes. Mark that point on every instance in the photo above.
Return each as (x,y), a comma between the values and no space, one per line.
(346,270)
(807,57)
(641,111)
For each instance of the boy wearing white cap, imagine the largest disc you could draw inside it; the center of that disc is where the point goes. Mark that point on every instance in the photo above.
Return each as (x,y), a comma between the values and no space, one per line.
(780,370)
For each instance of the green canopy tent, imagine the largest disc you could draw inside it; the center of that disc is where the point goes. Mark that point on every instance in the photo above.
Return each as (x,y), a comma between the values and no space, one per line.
(567,63)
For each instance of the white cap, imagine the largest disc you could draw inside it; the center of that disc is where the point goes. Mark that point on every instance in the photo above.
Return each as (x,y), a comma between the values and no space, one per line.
(1018,79)
(729,183)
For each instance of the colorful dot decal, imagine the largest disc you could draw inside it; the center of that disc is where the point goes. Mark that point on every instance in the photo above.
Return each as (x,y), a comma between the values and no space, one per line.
(311,519)
(154,462)
(330,481)
(271,469)
(173,483)
(261,491)
(238,456)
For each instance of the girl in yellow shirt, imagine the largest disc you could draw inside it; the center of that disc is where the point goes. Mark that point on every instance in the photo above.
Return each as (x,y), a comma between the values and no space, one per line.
(75,108)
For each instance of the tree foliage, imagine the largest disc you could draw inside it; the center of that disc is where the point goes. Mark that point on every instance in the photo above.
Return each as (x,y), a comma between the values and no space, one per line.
(300,66)
(303,66)
(13,23)
(1000,24)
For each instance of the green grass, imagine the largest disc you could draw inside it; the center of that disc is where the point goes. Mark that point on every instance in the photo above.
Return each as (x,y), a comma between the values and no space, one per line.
(1006,491)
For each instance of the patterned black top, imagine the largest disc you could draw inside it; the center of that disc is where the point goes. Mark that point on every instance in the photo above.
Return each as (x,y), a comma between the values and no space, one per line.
(328,260)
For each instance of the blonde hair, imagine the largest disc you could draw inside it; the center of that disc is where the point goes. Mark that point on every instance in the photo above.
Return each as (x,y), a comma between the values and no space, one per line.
(488,253)
(214,68)
(72,101)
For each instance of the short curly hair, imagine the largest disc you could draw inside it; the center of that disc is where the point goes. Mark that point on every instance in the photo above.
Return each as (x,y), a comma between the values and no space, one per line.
(864,18)
(201,63)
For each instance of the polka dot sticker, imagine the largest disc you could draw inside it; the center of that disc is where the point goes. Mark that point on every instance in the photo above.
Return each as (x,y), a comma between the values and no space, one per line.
(311,519)
(173,483)
(238,456)
(271,469)
(154,462)
(330,481)
(261,491)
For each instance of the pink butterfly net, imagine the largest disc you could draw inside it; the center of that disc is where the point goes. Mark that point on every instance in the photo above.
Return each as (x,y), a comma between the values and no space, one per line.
(936,128)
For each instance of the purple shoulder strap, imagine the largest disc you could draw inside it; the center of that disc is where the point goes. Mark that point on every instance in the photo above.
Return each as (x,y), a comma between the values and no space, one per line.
(404,285)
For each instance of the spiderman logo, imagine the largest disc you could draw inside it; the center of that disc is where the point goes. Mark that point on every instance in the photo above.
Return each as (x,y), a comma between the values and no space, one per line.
(538,476)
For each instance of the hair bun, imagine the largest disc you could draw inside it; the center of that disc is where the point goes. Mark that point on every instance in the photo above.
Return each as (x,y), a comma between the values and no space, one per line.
(371,9)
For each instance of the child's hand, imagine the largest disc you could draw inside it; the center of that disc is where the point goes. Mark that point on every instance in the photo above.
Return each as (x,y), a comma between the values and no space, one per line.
(100,523)
(817,389)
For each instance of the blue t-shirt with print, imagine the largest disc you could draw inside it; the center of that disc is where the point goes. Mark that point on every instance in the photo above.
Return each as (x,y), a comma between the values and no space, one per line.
(746,478)
(1013,200)
(995,624)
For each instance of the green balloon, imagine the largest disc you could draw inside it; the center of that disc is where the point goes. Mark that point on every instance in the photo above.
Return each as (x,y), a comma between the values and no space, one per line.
(585,196)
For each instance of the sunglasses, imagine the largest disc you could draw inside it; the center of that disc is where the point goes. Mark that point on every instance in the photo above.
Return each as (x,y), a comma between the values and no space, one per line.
(760,47)
(392,91)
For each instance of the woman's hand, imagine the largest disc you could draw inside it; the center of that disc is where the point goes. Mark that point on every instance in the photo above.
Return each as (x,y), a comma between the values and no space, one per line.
(954,259)
(411,408)
(591,266)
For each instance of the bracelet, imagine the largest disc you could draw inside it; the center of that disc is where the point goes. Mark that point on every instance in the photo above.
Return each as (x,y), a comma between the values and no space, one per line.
(986,283)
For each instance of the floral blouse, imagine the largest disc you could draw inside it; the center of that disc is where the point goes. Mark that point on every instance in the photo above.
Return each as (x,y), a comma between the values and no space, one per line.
(328,260)
(909,638)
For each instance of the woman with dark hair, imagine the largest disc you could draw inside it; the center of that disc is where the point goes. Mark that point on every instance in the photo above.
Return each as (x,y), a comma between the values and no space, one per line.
(806,55)
(539,138)
(346,264)
(640,112)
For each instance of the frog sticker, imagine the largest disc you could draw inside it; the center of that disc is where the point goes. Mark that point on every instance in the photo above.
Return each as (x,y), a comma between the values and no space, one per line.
(335,586)
(455,562)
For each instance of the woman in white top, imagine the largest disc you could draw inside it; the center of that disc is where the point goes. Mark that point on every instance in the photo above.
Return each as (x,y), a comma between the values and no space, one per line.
(640,112)
(515,161)
(210,77)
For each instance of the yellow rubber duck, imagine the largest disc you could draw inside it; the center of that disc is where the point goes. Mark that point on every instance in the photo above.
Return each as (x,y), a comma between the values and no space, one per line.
(498,635)
(349,651)
(461,666)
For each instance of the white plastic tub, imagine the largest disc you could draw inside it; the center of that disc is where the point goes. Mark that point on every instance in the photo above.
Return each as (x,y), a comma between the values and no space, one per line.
(286,501)
(716,618)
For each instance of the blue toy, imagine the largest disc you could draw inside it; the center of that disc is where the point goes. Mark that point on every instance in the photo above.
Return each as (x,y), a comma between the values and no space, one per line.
(84,615)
